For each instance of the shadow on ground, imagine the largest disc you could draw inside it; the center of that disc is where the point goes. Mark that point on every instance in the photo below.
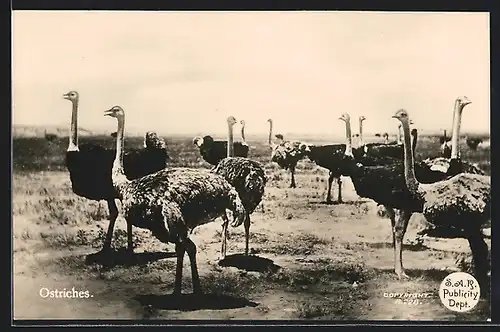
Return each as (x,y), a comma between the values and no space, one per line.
(250,263)
(124,258)
(191,302)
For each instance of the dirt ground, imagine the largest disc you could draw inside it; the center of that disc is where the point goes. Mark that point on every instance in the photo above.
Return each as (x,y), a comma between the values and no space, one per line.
(309,260)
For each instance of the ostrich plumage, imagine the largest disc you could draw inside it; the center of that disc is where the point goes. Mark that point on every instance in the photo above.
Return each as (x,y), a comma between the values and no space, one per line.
(172,202)
(461,202)
(385,184)
(452,164)
(286,153)
(248,178)
(213,151)
(393,150)
(90,165)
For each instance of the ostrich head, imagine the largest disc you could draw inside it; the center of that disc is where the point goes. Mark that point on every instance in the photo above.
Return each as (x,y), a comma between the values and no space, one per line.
(401,115)
(280,137)
(362,118)
(414,131)
(345,117)
(463,100)
(270,120)
(72,95)
(231,120)
(115,112)
(386,136)
(242,122)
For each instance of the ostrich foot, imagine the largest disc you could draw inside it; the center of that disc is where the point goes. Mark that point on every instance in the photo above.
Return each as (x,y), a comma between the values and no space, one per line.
(402,275)
(100,256)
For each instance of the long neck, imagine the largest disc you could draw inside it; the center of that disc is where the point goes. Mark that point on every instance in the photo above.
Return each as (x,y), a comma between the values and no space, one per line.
(399,135)
(414,145)
(455,134)
(243,133)
(230,145)
(361,143)
(386,139)
(348,136)
(411,180)
(270,133)
(118,174)
(73,138)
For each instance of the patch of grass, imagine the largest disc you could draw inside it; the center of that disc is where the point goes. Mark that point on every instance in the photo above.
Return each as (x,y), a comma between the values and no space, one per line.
(301,244)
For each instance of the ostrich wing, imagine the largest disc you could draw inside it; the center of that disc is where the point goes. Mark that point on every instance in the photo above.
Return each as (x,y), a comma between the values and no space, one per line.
(459,200)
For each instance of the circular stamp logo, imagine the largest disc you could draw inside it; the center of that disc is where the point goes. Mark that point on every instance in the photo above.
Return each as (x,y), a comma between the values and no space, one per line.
(459,292)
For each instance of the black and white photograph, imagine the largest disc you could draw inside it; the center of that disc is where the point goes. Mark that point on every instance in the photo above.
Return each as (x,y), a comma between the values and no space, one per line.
(251,166)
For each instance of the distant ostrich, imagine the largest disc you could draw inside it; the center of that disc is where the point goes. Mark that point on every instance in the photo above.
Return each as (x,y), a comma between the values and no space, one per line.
(248,178)
(89,167)
(453,165)
(213,151)
(172,202)
(113,134)
(382,180)
(385,149)
(243,138)
(461,202)
(484,144)
(50,137)
(286,153)
(445,145)
(473,142)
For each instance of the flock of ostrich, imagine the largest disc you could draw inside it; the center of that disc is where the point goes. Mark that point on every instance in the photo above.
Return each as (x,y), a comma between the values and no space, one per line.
(453,195)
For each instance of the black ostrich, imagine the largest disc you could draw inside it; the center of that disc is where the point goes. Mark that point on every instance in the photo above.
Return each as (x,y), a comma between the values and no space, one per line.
(90,165)
(172,202)
(248,178)
(213,151)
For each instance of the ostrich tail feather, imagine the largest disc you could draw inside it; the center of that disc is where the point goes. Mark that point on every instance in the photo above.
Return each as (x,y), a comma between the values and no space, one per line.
(239,212)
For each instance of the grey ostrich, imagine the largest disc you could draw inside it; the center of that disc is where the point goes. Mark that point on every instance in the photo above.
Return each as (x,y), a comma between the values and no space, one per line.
(286,153)
(453,164)
(249,179)
(90,165)
(461,202)
(172,202)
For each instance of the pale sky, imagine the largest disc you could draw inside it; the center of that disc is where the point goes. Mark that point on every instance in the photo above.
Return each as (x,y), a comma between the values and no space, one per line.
(185,72)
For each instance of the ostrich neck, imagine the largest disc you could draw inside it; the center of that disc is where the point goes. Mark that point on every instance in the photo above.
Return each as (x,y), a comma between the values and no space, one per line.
(455,134)
(361,143)
(348,136)
(118,175)
(230,145)
(73,138)
(409,170)
(270,133)
(243,133)
(414,145)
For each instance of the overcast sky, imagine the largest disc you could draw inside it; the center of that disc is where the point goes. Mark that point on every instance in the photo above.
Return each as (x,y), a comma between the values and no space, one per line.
(186,72)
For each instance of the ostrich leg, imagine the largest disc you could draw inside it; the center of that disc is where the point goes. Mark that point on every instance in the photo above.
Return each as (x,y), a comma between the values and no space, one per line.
(225,223)
(180,249)
(339,183)
(329,188)
(191,251)
(247,232)
(292,171)
(113,214)
(479,250)
(399,230)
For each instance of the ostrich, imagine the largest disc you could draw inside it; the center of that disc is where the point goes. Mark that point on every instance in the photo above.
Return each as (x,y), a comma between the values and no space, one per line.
(89,167)
(243,139)
(247,177)
(460,202)
(286,154)
(172,202)
(445,145)
(213,151)
(385,149)
(50,137)
(113,134)
(382,180)
(453,165)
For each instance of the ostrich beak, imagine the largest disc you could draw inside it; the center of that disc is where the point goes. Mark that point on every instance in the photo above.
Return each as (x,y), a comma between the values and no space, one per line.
(108,113)
(395,117)
(65,96)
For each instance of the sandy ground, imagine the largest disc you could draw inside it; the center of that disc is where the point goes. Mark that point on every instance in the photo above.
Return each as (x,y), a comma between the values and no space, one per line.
(309,261)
